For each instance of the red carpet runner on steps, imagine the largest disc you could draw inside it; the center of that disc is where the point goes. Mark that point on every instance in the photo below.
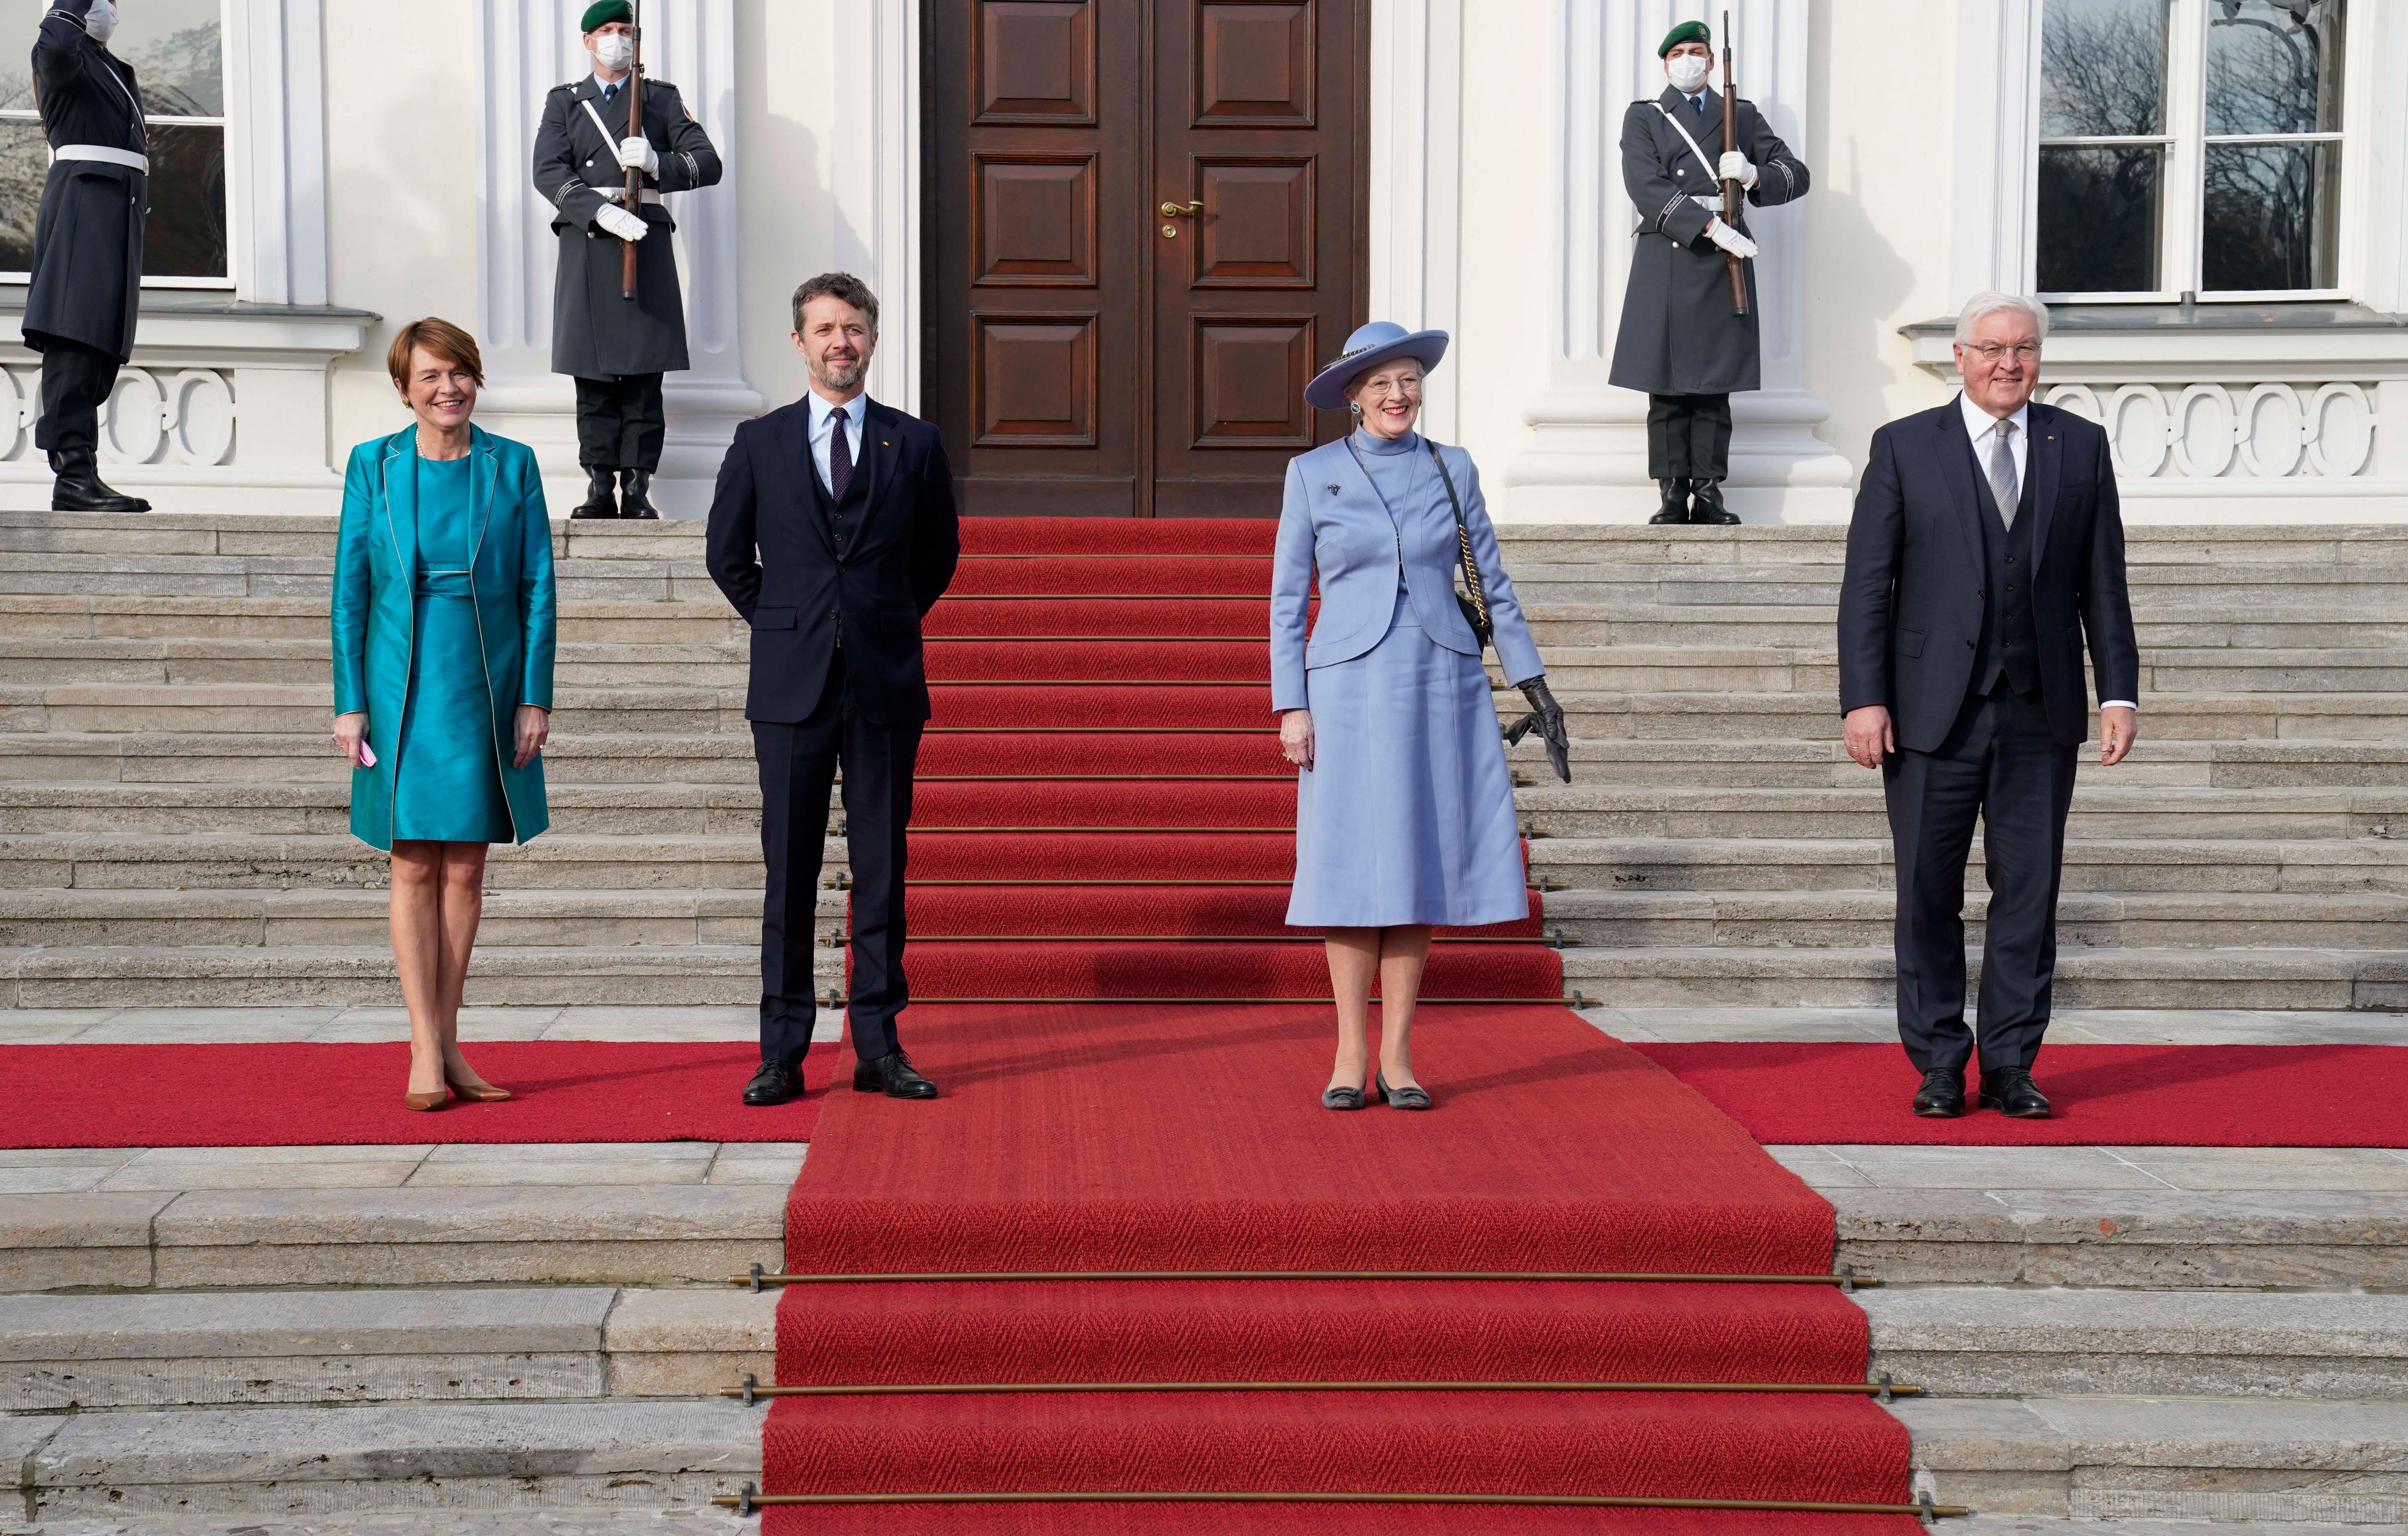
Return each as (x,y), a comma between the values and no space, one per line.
(1132,1047)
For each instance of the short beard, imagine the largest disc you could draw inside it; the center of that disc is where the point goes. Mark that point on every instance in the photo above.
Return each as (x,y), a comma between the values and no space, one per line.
(839,376)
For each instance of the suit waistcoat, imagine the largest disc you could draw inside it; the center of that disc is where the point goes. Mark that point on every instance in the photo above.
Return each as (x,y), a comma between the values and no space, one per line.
(2010,643)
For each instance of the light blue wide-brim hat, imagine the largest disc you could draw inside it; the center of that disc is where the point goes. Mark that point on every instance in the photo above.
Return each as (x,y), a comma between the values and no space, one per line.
(1381,341)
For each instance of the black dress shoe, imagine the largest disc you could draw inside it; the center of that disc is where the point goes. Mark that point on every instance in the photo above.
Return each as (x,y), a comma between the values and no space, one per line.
(2010,1090)
(601,493)
(774,1083)
(1941,1096)
(893,1075)
(636,496)
(1706,504)
(1676,502)
(79,489)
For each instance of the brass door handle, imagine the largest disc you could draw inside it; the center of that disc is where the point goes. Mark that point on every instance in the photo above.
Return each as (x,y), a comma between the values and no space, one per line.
(1173,211)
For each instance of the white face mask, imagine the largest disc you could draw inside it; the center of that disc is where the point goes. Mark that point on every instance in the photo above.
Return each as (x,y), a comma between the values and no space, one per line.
(614,50)
(100,22)
(1688,73)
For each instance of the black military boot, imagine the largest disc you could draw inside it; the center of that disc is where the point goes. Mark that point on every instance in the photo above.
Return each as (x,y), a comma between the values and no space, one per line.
(1676,502)
(1706,504)
(78,488)
(635,494)
(601,492)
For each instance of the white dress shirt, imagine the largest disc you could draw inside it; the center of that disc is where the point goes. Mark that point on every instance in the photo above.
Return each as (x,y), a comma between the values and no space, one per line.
(825,413)
(1984,429)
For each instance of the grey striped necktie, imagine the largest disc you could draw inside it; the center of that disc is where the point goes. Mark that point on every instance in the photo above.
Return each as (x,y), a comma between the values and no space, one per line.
(2002,472)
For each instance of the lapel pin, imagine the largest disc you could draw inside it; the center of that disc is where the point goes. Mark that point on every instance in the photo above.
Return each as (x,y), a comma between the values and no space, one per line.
(1333,487)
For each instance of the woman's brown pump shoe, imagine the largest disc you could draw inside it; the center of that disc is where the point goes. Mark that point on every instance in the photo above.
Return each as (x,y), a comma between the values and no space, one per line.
(435,1101)
(479,1093)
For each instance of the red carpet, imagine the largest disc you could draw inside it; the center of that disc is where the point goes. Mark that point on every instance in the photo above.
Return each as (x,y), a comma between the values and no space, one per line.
(1104,819)
(2200,1096)
(302,1094)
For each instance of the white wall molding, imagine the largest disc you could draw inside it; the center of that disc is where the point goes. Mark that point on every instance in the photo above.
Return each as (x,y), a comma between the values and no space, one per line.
(1416,181)
(1587,461)
(524,49)
(275,150)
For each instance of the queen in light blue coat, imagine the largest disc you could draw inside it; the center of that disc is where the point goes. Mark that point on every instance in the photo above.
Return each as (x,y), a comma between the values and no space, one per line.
(442,637)
(1404,814)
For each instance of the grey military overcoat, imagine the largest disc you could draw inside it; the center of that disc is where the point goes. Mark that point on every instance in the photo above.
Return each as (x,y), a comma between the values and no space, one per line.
(596,334)
(87,278)
(1678,334)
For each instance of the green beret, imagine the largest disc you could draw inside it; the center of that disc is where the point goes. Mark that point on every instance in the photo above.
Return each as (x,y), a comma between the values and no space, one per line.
(601,13)
(1687,32)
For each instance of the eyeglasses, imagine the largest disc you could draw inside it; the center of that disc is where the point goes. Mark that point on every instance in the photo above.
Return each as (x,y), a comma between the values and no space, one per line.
(1990,351)
(1381,388)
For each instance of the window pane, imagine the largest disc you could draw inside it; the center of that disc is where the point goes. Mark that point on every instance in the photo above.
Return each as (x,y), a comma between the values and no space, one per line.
(186,237)
(24,162)
(174,46)
(2102,67)
(2099,218)
(2272,216)
(2273,67)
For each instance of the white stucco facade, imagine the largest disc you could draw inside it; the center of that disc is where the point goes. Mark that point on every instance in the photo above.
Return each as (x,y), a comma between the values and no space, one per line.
(378,172)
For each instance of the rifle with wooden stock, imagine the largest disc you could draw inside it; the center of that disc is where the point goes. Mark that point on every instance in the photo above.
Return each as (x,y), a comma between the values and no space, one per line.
(635,195)
(1731,190)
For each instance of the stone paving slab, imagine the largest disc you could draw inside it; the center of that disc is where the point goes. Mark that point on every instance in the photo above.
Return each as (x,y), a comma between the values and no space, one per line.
(702,1521)
(482,1456)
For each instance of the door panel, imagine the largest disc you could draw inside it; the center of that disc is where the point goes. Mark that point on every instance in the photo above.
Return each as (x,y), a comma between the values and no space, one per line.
(1088,353)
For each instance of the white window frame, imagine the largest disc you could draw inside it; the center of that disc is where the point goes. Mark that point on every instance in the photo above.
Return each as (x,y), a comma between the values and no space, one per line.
(222,123)
(2182,237)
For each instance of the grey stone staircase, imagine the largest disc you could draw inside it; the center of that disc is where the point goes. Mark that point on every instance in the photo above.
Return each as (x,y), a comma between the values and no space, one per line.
(492,1340)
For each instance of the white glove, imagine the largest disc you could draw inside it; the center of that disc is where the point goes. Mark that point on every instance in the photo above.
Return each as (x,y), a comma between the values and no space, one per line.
(619,221)
(1720,233)
(638,154)
(1734,166)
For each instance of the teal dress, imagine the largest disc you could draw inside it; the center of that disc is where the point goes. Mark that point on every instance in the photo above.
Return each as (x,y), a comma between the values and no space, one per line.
(442,625)
(448,778)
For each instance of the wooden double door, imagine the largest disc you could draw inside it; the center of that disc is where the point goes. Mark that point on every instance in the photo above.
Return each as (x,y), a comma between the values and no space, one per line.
(1145,230)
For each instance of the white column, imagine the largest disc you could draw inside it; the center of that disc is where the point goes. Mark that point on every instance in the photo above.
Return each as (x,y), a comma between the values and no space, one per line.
(526,48)
(276,121)
(1417,179)
(1588,460)
(874,179)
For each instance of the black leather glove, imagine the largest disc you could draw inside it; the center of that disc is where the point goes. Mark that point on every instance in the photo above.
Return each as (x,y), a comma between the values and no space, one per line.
(1547,717)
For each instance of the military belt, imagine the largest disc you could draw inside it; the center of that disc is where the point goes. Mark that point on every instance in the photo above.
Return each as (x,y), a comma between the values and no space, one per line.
(103,154)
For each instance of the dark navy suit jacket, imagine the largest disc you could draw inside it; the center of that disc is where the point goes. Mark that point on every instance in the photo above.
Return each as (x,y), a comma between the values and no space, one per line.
(1912,601)
(772,549)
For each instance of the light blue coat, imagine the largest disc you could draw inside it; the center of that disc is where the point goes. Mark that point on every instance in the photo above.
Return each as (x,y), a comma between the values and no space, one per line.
(373,617)
(1333,523)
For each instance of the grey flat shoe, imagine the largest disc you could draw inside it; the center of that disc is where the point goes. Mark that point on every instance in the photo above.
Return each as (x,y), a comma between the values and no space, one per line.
(1411,1097)
(1342,1098)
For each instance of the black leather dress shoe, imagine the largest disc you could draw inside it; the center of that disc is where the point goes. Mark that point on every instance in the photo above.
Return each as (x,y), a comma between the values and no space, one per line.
(2010,1091)
(774,1083)
(893,1075)
(1941,1096)
(1675,506)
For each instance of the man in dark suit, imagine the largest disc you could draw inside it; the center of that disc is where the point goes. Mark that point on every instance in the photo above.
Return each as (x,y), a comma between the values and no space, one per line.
(1986,547)
(833,533)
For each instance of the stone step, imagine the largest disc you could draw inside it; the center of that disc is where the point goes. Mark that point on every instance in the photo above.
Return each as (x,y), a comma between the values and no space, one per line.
(2161,621)
(1801,716)
(526,1458)
(728,974)
(641,1522)
(303,662)
(2098,920)
(1986,1341)
(1806,669)
(639,762)
(552,1234)
(705,620)
(1774,764)
(2197,1459)
(180,1349)
(2102,808)
(1866,976)
(2306,867)
(318,918)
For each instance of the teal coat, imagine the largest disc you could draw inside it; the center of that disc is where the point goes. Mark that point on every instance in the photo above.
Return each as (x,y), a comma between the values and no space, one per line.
(374,616)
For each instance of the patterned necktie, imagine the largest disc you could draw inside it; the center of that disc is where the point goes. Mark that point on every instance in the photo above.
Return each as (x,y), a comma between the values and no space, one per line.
(840,455)
(609,94)
(2002,473)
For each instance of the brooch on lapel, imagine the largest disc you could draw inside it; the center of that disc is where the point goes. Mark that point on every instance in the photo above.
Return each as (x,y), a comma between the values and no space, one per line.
(1333,487)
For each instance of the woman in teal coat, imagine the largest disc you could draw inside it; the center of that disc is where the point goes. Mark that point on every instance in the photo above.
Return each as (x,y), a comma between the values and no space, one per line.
(443,624)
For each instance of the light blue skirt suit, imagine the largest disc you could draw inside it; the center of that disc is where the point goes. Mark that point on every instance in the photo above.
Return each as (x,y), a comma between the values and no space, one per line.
(1406,815)
(442,622)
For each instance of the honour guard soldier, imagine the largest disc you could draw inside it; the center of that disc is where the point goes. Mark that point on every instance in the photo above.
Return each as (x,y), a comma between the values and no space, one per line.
(1680,340)
(87,279)
(616,348)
